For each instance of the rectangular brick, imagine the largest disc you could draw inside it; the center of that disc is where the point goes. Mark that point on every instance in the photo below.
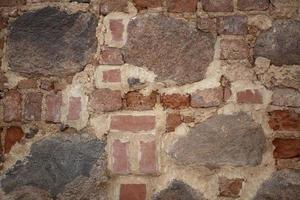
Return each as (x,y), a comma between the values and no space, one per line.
(116,27)
(148,158)
(248,5)
(178,6)
(12,106)
(106,100)
(28,84)
(175,101)
(111,56)
(234,49)
(53,106)
(137,101)
(232,25)
(120,157)
(74,108)
(132,123)
(207,98)
(33,106)
(284,120)
(133,192)
(217,5)
(111,76)
(249,97)
(286,148)
(11,3)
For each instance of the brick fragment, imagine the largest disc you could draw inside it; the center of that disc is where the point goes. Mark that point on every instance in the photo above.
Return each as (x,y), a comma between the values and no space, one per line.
(286,148)
(137,101)
(47,85)
(12,106)
(74,108)
(207,24)
(249,5)
(53,106)
(27,84)
(234,49)
(144,4)
(106,100)
(178,6)
(230,187)
(284,120)
(133,192)
(111,56)
(120,156)
(249,97)
(33,106)
(217,5)
(132,123)
(112,76)
(232,25)
(211,97)
(148,157)
(116,27)
(13,135)
(175,101)
(173,121)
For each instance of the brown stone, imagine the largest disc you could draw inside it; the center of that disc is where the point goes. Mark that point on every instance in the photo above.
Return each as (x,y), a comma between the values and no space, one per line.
(182,6)
(207,98)
(286,148)
(111,56)
(106,100)
(230,187)
(284,120)
(132,192)
(12,3)
(143,4)
(173,121)
(53,106)
(175,101)
(12,106)
(137,101)
(250,97)
(13,135)
(232,25)
(207,24)
(248,5)
(28,84)
(33,106)
(217,5)
(108,6)
(234,49)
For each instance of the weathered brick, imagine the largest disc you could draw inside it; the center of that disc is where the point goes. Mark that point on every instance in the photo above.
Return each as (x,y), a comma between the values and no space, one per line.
(217,5)
(284,120)
(12,106)
(13,135)
(11,3)
(249,96)
(132,123)
(106,100)
(286,148)
(182,6)
(112,76)
(230,187)
(148,157)
(47,85)
(53,106)
(74,108)
(116,27)
(120,156)
(33,106)
(207,98)
(27,84)
(132,192)
(143,4)
(286,97)
(111,56)
(175,101)
(234,49)
(108,6)
(247,5)
(173,121)
(207,24)
(137,101)
(232,25)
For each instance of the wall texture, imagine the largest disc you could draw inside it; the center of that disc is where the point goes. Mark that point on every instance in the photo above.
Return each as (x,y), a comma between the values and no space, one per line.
(150,99)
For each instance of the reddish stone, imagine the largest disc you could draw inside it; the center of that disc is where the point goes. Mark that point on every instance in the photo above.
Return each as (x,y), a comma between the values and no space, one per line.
(112,76)
(27,84)
(74,108)
(132,123)
(137,101)
(173,121)
(120,163)
(13,135)
(47,85)
(232,25)
(53,105)
(133,192)
(148,157)
(247,5)
(249,96)
(175,101)
(234,49)
(286,148)
(143,4)
(111,56)
(207,98)
(108,6)
(284,120)
(106,100)
(230,187)
(217,5)
(182,6)
(12,106)
(116,27)
(207,24)
(33,106)
(12,3)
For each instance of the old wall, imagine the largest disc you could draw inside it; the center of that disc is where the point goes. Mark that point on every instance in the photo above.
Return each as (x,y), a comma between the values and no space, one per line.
(150,99)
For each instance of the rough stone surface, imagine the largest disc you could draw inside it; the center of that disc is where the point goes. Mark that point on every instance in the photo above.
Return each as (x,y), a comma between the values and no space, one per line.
(105,100)
(217,5)
(232,25)
(280,43)
(143,4)
(233,49)
(170,61)
(182,6)
(221,140)
(133,192)
(173,120)
(207,24)
(248,5)
(111,56)
(230,187)
(286,97)
(11,3)
(12,106)
(33,106)
(178,190)
(286,148)
(137,101)
(13,135)
(51,42)
(175,101)
(108,6)
(284,120)
(207,98)
(55,162)
(283,184)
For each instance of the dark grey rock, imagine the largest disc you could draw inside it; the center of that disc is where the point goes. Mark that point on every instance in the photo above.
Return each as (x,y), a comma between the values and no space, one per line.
(55,162)
(234,140)
(169,47)
(284,184)
(81,1)
(280,44)
(178,190)
(51,42)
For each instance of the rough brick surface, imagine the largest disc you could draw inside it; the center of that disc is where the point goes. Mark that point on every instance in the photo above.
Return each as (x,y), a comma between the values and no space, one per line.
(148,157)
(112,76)
(217,5)
(286,148)
(108,6)
(207,98)
(175,101)
(75,108)
(28,84)
(111,56)
(247,5)
(33,106)
(143,4)
(120,157)
(232,25)
(284,120)
(234,49)
(12,106)
(137,101)
(13,135)
(182,6)
(132,192)
(106,100)
(230,187)
(250,97)
(132,123)
(53,107)
(207,24)
(47,85)
(116,27)
(173,121)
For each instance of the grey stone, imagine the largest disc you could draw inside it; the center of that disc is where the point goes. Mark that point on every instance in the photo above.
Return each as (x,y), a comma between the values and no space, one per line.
(234,140)
(280,44)
(178,190)
(286,97)
(51,42)
(56,161)
(169,47)
(284,184)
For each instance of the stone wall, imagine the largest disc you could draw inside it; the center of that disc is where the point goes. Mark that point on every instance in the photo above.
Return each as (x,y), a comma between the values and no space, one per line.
(150,99)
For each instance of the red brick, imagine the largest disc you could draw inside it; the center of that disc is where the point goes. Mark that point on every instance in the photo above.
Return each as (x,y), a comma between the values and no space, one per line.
(182,6)
(234,49)
(120,163)
(106,100)
(11,3)
(116,27)
(13,135)
(284,120)
(137,101)
(108,6)
(232,25)
(12,106)
(175,101)
(207,98)
(217,5)
(27,84)
(230,187)
(247,5)
(148,157)
(143,4)
(33,106)
(249,97)
(111,56)
(286,148)
(133,192)
(53,106)
(74,108)
(132,123)
(112,76)
(173,121)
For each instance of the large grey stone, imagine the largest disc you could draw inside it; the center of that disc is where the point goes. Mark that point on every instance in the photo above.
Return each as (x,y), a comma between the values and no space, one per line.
(57,161)
(169,47)
(234,140)
(51,42)
(178,190)
(280,44)
(284,184)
